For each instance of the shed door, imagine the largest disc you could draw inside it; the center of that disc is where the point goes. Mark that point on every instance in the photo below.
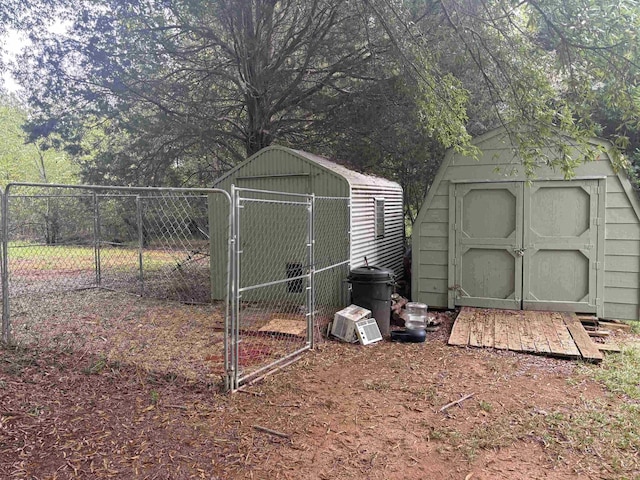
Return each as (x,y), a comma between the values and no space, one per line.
(488,231)
(560,241)
(527,246)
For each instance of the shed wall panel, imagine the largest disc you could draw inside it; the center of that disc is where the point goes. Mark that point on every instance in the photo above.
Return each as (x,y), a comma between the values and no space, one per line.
(620,311)
(435,300)
(627,296)
(622,253)
(619,263)
(433,285)
(620,279)
(431,250)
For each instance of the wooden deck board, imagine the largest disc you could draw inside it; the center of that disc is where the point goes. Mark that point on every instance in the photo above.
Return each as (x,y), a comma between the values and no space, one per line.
(547,333)
(489,331)
(588,349)
(526,334)
(568,345)
(475,330)
(460,331)
(501,333)
(539,339)
(514,333)
(548,327)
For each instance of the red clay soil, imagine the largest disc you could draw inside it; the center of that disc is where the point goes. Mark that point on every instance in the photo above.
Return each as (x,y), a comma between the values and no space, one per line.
(342,411)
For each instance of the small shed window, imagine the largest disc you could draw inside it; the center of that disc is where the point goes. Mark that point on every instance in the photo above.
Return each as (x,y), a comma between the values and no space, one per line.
(379,217)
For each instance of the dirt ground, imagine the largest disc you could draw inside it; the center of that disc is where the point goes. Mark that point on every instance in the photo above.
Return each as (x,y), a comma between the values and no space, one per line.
(342,411)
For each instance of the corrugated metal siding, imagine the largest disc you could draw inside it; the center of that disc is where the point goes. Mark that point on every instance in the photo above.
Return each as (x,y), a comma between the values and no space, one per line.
(622,254)
(382,252)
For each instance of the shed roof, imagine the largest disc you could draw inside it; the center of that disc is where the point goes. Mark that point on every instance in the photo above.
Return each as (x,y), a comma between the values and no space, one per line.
(352,177)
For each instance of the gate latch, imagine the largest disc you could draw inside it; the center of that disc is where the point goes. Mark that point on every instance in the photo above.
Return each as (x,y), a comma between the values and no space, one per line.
(520,251)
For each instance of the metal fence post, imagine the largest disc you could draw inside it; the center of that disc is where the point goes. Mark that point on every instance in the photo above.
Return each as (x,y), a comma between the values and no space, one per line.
(6,323)
(229,321)
(235,352)
(311,282)
(140,242)
(96,238)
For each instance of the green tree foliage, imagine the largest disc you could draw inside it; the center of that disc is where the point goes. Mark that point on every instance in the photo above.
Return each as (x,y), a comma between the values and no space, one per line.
(176,91)
(197,86)
(28,162)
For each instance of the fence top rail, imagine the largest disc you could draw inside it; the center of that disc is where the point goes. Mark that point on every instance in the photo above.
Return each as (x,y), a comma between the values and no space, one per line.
(272,192)
(115,188)
(318,197)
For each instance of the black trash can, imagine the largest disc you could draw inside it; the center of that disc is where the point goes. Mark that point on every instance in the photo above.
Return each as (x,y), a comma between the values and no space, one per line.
(371,288)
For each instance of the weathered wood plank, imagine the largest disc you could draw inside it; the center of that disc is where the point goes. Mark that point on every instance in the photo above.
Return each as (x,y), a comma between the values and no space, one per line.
(625,327)
(515,343)
(460,331)
(537,331)
(568,345)
(549,329)
(476,329)
(588,349)
(489,332)
(501,332)
(526,336)
(608,347)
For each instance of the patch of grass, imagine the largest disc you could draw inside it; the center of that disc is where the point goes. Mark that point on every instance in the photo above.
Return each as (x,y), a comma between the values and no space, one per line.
(155,397)
(604,429)
(39,257)
(427,394)
(17,359)
(635,327)
(486,406)
(598,430)
(620,373)
(96,366)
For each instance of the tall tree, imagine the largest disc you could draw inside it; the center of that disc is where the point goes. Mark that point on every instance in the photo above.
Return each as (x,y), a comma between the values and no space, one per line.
(204,84)
(181,89)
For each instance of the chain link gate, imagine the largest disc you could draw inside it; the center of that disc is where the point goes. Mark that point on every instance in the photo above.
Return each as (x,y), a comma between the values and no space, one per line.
(281,294)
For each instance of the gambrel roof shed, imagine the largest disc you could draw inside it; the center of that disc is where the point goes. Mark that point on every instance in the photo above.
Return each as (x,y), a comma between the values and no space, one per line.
(486,237)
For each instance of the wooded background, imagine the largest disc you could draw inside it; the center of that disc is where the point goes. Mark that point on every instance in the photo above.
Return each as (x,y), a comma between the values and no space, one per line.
(175,92)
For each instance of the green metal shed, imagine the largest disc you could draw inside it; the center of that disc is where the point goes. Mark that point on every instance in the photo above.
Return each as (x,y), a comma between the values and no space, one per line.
(486,237)
(371,225)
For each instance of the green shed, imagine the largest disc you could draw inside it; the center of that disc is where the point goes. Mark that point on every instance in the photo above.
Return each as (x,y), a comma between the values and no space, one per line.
(485,237)
(369,223)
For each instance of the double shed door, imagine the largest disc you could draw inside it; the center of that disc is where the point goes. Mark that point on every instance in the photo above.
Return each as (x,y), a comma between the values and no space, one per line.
(527,246)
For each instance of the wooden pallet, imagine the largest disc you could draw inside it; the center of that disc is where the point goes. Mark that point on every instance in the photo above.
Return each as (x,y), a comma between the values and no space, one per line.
(547,333)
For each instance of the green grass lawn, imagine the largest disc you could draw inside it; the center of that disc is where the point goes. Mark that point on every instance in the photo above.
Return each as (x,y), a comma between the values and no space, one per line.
(35,257)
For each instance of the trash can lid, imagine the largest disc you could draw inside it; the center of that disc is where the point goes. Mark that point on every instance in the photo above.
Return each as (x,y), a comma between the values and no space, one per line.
(370,273)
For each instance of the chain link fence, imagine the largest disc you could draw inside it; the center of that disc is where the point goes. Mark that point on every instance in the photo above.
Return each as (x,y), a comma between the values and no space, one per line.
(152,242)
(261,290)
